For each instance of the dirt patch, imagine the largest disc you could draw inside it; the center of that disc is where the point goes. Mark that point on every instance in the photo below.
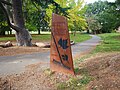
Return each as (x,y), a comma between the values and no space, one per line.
(105,69)
(34,78)
(16,50)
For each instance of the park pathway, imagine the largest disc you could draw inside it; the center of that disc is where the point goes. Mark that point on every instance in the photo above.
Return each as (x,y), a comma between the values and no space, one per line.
(16,64)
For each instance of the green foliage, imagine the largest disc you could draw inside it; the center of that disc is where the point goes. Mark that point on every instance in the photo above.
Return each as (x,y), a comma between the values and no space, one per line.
(76,19)
(3,23)
(105,13)
(96,8)
(117,2)
(109,19)
(110,42)
(38,13)
(45,4)
(74,12)
(35,16)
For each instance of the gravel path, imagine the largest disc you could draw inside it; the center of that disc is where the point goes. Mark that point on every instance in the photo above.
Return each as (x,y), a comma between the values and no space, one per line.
(17,64)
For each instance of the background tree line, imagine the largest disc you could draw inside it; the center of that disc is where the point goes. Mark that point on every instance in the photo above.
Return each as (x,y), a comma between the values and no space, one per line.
(103,16)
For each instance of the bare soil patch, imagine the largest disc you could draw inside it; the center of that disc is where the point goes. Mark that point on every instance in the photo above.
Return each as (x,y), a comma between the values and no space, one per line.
(105,70)
(34,78)
(16,50)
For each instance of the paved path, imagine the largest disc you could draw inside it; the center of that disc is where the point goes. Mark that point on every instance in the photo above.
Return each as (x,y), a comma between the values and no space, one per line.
(16,64)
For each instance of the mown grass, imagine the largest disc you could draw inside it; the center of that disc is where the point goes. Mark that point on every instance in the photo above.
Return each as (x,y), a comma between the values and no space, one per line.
(80,37)
(110,42)
(7,38)
(42,37)
(47,37)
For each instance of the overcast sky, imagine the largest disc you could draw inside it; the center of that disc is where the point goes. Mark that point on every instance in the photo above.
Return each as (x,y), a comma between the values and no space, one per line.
(91,1)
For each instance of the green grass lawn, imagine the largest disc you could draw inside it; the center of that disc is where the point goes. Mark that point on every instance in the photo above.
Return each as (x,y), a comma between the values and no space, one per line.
(110,42)
(79,37)
(47,37)
(42,37)
(6,38)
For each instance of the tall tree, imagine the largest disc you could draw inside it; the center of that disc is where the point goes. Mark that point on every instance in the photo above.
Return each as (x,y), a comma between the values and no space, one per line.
(22,35)
(76,19)
(94,25)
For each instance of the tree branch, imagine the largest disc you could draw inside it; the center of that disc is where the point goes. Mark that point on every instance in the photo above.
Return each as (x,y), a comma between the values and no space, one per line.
(17,29)
(5,2)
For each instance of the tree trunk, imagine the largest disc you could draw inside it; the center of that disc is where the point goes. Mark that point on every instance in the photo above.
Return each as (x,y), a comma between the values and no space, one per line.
(88,31)
(22,35)
(2,32)
(10,32)
(39,32)
(74,33)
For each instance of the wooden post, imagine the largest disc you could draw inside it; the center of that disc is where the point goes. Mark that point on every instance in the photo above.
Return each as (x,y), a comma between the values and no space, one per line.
(60,53)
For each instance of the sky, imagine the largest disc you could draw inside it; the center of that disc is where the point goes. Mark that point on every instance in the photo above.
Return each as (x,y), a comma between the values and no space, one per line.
(91,1)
